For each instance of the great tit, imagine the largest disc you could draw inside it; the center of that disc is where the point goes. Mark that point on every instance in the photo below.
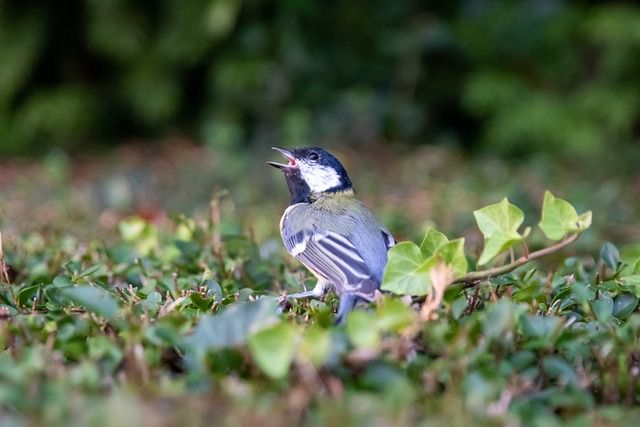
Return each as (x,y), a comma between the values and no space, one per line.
(332,233)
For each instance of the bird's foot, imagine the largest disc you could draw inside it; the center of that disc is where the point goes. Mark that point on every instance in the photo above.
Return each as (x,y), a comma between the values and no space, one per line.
(284,304)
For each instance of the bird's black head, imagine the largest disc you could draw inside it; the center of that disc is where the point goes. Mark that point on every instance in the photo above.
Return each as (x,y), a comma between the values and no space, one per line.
(320,170)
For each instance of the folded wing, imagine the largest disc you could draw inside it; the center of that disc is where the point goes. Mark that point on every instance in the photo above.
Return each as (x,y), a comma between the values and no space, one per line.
(334,258)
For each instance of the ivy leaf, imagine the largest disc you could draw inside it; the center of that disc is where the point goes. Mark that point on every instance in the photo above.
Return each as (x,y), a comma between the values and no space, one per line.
(273,349)
(559,217)
(499,224)
(432,241)
(452,254)
(407,271)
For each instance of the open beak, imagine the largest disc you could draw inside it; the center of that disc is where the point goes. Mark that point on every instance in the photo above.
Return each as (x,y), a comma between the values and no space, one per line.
(288,155)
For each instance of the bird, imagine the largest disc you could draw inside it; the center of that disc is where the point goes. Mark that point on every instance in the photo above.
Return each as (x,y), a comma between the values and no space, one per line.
(331,232)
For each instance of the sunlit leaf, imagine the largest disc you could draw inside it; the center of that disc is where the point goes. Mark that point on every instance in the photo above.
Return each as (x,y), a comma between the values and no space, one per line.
(499,224)
(432,241)
(407,271)
(143,235)
(452,254)
(559,217)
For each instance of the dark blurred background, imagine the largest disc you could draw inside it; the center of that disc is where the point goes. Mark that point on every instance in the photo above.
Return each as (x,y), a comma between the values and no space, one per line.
(514,77)
(451,104)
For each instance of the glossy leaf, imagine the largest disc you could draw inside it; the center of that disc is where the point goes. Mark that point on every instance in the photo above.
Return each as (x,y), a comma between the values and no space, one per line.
(610,255)
(624,305)
(602,307)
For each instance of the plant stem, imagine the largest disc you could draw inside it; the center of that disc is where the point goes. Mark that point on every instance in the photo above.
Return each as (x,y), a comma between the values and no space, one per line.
(477,276)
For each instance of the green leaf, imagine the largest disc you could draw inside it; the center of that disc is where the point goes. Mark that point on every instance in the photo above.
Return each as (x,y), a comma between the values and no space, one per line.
(407,271)
(539,326)
(452,253)
(143,235)
(131,229)
(93,299)
(610,255)
(602,307)
(500,318)
(273,348)
(315,346)
(62,282)
(558,368)
(362,330)
(432,241)
(232,327)
(499,224)
(203,304)
(89,271)
(394,315)
(624,305)
(633,283)
(559,217)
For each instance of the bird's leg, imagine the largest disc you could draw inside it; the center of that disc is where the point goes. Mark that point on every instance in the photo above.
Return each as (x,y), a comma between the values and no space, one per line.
(320,290)
(347,303)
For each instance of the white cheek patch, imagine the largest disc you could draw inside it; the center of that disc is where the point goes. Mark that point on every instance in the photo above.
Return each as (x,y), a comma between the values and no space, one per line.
(319,178)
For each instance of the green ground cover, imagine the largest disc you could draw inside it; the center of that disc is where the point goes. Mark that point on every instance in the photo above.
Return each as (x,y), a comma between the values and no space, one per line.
(114,312)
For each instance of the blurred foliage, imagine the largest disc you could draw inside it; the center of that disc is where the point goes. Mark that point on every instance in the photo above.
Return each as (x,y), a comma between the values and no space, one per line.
(178,324)
(510,77)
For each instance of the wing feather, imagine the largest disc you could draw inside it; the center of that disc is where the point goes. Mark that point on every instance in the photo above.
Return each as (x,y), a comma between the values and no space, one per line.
(334,258)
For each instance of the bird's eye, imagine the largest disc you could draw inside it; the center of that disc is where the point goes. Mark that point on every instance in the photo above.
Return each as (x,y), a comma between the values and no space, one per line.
(313,156)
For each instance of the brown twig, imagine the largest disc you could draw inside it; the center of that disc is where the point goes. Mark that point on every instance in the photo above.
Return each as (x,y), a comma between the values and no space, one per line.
(478,276)
(5,273)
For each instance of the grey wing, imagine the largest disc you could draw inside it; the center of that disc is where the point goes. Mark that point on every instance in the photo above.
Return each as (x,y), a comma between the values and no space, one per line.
(334,258)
